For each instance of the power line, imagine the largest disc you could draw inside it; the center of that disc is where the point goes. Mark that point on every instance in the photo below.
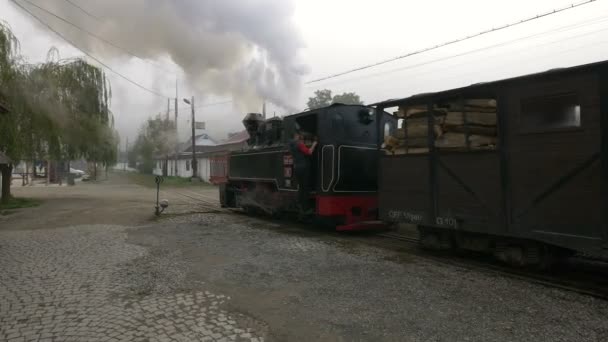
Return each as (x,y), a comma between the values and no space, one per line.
(116,46)
(205,105)
(87,53)
(82,9)
(460,75)
(214,104)
(368,66)
(413,66)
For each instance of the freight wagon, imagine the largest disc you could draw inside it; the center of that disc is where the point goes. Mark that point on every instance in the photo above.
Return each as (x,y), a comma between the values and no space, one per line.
(516,167)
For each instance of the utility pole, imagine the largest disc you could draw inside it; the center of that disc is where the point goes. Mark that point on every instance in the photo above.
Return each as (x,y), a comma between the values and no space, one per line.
(124,167)
(176,132)
(194,166)
(168,109)
(264,109)
(165,166)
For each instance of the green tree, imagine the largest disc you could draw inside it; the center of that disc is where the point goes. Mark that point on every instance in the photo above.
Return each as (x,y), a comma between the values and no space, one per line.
(58,109)
(10,137)
(323,98)
(156,140)
(348,98)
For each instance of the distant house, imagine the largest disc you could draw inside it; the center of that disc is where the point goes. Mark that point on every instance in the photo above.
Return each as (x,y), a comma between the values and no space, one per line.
(202,142)
(205,149)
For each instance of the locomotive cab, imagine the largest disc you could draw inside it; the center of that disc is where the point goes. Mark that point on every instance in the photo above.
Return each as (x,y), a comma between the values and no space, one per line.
(343,167)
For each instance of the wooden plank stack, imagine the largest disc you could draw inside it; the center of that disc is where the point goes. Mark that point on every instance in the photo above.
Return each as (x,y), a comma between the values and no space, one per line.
(412,137)
(454,121)
(475,117)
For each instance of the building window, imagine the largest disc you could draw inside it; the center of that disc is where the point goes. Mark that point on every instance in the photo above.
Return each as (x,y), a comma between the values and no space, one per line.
(187,165)
(548,113)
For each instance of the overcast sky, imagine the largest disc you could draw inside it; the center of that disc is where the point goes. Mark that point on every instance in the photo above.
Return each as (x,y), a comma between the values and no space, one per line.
(330,36)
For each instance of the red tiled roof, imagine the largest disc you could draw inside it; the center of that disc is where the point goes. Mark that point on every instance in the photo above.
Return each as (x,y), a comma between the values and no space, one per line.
(236,138)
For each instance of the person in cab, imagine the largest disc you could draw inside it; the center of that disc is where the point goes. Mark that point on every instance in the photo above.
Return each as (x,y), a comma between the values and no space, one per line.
(301,164)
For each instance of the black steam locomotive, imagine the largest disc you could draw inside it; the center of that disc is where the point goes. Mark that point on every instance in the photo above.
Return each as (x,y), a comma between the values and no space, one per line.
(344,166)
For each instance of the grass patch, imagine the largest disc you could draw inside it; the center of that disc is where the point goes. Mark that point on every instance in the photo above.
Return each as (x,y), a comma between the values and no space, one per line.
(18,203)
(176,182)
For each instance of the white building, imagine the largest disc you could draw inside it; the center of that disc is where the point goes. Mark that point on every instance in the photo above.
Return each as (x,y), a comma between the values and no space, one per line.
(205,149)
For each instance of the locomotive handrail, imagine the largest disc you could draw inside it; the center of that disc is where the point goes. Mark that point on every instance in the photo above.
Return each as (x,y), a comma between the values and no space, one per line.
(333,156)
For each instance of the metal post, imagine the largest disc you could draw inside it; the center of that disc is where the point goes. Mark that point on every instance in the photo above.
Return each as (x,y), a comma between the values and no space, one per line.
(157,208)
(194,166)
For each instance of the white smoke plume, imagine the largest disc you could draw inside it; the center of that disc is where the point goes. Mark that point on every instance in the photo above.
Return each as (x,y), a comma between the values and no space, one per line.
(244,48)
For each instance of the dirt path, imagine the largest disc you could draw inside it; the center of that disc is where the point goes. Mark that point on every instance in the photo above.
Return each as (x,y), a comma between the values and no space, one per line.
(114,201)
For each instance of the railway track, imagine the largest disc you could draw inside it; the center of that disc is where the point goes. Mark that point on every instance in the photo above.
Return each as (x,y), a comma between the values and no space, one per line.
(582,283)
(594,285)
(203,201)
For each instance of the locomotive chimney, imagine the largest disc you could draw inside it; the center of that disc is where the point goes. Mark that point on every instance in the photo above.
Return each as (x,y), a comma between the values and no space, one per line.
(254,124)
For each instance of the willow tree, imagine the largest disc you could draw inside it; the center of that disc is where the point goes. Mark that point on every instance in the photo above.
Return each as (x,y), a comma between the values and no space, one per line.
(57,110)
(10,138)
(80,95)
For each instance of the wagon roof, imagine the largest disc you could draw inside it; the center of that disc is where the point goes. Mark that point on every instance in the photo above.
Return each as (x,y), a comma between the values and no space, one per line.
(484,88)
(308,110)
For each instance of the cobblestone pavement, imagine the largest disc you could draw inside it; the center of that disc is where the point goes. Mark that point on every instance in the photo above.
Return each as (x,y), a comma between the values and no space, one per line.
(75,284)
(90,265)
(312,285)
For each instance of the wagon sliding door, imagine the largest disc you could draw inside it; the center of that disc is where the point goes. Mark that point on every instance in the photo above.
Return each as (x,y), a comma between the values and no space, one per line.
(554,166)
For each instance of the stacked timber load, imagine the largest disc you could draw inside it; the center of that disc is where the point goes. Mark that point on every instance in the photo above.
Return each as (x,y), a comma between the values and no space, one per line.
(473,117)
(413,136)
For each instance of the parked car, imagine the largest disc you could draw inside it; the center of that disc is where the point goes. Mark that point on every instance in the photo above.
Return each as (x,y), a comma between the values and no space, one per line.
(77,173)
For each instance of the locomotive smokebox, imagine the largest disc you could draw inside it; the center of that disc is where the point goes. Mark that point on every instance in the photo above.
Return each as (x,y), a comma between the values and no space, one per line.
(254,124)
